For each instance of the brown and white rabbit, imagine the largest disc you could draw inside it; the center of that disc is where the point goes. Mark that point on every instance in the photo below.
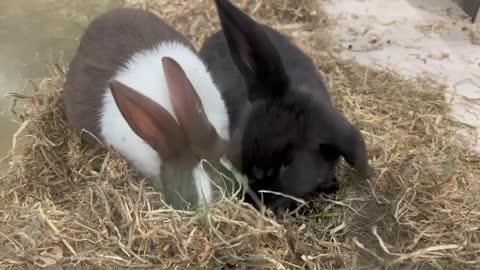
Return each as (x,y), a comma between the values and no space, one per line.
(138,85)
(286,134)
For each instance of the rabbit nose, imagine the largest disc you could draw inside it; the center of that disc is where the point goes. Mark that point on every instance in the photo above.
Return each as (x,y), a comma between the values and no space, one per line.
(283,168)
(258,173)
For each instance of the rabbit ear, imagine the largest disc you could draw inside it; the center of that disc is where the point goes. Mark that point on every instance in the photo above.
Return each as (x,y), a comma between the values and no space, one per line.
(189,111)
(149,120)
(350,144)
(253,53)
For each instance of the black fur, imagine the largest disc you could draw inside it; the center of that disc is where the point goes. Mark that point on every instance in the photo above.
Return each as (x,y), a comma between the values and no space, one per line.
(280,110)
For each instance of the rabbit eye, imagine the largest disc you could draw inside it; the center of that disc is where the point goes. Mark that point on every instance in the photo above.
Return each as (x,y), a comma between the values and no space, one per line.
(283,168)
(258,173)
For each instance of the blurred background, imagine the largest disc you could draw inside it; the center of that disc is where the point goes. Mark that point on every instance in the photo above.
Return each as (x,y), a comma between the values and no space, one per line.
(35,33)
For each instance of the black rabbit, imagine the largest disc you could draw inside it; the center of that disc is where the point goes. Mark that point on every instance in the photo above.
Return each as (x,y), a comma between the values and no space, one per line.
(286,135)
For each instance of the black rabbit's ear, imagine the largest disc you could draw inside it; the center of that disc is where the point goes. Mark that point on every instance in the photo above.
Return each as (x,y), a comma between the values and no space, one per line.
(350,144)
(253,53)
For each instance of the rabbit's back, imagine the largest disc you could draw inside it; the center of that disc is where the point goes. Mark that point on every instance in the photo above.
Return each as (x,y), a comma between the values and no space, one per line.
(298,67)
(106,46)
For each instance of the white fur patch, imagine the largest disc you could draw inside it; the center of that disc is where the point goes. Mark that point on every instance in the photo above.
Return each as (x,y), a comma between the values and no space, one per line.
(144,73)
(202,184)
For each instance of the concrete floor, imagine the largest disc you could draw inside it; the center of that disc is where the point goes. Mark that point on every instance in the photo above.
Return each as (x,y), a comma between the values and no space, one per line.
(34,33)
(416,38)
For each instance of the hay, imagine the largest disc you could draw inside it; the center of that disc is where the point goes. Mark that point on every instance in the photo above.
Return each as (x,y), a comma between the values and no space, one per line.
(65,204)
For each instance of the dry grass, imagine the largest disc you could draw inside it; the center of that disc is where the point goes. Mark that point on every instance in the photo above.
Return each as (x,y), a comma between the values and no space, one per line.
(64,204)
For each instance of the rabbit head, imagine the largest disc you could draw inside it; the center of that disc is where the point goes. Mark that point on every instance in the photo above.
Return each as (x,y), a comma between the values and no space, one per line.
(181,143)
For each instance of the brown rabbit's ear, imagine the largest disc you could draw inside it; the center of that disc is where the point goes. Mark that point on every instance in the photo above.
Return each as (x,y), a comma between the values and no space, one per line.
(150,121)
(189,111)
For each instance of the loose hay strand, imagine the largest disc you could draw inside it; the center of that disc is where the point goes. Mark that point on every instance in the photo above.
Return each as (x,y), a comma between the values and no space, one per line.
(54,228)
(67,204)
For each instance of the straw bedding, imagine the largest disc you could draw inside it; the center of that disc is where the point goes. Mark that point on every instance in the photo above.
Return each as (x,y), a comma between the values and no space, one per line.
(65,204)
